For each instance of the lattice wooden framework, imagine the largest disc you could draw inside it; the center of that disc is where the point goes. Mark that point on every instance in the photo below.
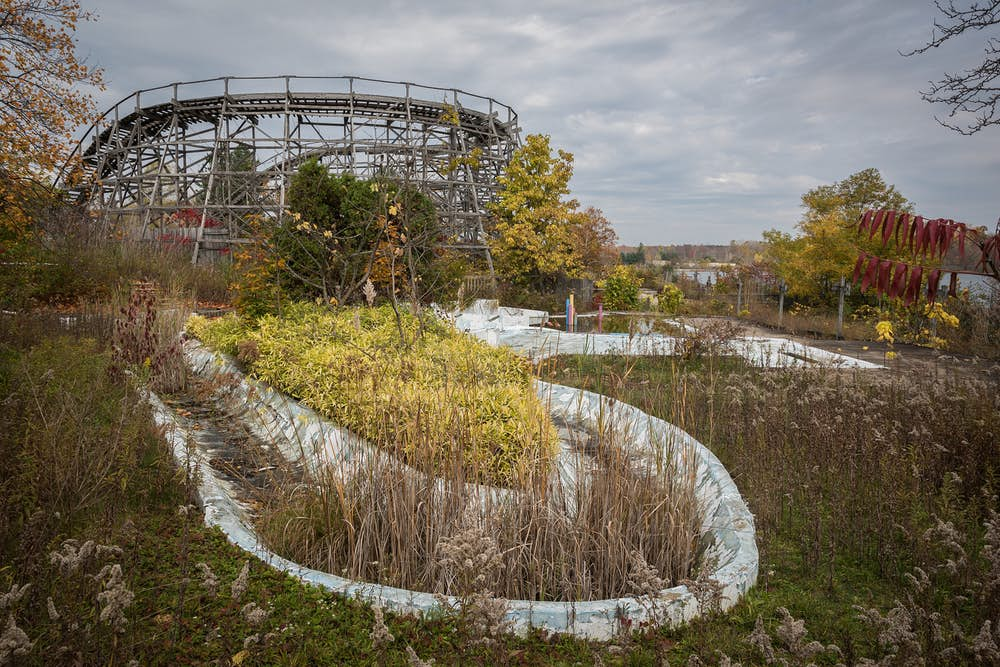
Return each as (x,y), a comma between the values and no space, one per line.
(190,161)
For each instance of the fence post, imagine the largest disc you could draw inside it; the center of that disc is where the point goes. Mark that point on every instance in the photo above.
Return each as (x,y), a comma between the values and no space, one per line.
(571,314)
(739,297)
(841,288)
(782,288)
(600,316)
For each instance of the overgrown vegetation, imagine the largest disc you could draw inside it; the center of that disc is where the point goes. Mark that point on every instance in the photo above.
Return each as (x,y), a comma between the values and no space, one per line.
(341,234)
(828,544)
(670,300)
(620,288)
(105,562)
(462,412)
(68,258)
(867,489)
(431,396)
(876,495)
(615,531)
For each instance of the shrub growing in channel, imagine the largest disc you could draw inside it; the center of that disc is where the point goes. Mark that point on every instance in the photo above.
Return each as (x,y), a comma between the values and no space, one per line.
(447,395)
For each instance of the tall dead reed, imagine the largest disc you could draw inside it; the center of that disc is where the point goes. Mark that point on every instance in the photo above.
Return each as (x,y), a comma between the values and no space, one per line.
(387,523)
(846,463)
(73,258)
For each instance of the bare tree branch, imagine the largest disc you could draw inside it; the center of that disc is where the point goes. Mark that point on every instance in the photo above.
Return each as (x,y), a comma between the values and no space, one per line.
(974,92)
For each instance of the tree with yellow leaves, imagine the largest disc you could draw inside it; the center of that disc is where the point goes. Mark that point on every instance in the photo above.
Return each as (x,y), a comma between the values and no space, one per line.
(594,242)
(534,239)
(40,103)
(813,262)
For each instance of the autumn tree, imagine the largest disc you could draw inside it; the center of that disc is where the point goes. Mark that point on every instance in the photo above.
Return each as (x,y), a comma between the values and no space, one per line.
(533,241)
(620,290)
(593,242)
(972,93)
(813,261)
(40,103)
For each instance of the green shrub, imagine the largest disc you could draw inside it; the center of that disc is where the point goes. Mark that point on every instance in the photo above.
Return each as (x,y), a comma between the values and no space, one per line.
(446,396)
(341,234)
(621,289)
(671,299)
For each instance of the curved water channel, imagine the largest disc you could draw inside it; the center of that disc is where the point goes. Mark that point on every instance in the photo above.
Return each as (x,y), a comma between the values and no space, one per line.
(242,435)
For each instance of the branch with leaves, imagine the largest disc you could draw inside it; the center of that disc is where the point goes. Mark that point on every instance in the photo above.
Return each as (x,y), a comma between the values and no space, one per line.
(927,242)
(39,74)
(40,104)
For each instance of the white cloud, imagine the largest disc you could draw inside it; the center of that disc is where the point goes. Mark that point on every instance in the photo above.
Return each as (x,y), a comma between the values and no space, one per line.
(733,181)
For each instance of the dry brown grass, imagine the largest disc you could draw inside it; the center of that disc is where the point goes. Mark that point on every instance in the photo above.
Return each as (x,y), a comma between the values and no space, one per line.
(387,524)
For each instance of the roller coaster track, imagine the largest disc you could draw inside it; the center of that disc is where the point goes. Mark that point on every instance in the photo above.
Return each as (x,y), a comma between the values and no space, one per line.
(170,153)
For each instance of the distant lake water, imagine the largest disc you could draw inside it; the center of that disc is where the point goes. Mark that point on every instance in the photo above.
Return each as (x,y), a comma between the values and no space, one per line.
(701,276)
(977,285)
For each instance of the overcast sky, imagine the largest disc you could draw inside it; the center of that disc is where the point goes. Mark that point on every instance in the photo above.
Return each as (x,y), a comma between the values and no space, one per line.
(689,121)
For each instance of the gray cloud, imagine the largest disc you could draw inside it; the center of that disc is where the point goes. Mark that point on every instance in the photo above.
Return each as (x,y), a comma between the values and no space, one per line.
(689,121)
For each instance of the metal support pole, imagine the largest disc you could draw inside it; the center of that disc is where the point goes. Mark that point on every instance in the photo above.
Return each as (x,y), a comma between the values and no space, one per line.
(841,289)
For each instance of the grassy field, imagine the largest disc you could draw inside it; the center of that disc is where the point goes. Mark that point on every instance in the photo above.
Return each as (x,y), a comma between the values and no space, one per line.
(855,480)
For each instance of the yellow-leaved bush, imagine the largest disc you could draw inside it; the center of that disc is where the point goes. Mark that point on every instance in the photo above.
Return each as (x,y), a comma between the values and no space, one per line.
(445,398)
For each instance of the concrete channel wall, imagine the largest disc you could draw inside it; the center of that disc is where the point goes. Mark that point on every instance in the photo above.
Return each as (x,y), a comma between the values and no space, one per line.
(302,435)
(523,331)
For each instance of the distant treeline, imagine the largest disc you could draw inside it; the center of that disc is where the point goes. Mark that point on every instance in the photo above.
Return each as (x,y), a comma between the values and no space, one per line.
(690,252)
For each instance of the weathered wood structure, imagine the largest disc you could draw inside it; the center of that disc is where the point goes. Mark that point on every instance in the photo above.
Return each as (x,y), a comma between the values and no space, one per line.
(188,162)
